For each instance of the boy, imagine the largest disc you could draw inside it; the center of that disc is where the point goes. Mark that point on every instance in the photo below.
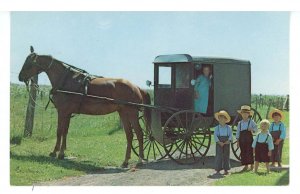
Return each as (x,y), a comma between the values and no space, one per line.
(263,146)
(278,132)
(246,127)
(223,137)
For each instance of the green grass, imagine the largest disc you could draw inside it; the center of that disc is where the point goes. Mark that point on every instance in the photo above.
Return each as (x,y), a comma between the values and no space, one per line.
(94,141)
(252,179)
(30,162)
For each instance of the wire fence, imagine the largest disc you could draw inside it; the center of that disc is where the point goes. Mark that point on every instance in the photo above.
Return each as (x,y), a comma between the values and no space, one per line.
(44,120)
(279,102)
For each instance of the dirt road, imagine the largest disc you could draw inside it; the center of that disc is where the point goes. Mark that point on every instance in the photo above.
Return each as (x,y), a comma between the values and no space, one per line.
(165,172)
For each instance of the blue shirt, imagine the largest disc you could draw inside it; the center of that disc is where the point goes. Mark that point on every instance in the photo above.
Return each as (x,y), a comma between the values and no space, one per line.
(261,138)
(275,127)
(243,125)
(223,131)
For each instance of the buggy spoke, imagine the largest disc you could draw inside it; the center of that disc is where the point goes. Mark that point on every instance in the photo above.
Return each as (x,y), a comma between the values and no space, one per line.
(154,151)
(158,149)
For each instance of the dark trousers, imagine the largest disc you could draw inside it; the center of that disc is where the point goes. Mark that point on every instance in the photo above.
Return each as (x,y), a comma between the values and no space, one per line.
(222,160)
(277,152)
(245,142)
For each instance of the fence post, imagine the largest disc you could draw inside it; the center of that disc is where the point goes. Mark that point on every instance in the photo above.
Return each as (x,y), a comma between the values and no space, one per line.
(31,107)
(269,107)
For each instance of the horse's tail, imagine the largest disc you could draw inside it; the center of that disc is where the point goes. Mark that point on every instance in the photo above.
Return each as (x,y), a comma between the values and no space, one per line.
(147,111)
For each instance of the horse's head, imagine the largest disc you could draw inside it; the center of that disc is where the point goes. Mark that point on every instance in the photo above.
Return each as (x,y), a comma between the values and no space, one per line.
(30,67)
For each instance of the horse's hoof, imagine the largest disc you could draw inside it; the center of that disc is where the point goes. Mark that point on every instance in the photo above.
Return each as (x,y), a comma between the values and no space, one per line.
(52,154)
(61,156)
(124,165)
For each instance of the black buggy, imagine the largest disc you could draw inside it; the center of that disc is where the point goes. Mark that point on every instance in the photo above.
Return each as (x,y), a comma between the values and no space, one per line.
(176,130)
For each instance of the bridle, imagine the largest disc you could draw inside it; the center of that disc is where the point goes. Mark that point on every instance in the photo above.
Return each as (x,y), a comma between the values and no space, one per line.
(34,62)
(37,64)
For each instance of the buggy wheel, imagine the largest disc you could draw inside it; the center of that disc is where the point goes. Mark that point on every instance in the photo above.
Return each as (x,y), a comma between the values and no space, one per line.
(186,137)
(236,150)
(153,150)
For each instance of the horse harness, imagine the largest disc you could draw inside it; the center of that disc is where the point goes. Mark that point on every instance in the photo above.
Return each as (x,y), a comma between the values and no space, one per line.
(82,82)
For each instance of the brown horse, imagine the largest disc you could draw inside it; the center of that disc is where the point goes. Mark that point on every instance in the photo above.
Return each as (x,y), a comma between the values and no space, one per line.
(69,78)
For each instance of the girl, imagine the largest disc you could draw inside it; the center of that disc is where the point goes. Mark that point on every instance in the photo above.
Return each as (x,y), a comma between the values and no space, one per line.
(263,146)
(278,132)
(223,137)
(244,137)
(202,90)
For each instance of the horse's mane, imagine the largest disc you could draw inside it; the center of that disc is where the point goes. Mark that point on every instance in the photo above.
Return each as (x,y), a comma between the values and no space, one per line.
(73,69)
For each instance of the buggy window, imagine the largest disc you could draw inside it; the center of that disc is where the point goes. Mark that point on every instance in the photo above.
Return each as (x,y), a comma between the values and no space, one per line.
(164,77)
(182,76)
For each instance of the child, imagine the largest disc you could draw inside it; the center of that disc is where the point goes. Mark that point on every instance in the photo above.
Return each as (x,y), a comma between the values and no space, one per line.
(223,136)
(202,90)
(245,128)
(263,146)
(278,132)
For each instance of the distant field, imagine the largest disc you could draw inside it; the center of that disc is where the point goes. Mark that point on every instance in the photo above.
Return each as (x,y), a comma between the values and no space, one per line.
(95,141)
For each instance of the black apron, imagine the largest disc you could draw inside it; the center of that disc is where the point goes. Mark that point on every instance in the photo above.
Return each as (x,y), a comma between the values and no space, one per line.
(261,151)
(222,160)
(277,152)
(245,141)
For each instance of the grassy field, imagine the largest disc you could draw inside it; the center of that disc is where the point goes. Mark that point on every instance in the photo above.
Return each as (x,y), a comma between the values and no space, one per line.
(93,141)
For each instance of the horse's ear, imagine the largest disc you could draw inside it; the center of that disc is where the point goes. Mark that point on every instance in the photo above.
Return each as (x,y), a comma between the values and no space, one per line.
(31,49)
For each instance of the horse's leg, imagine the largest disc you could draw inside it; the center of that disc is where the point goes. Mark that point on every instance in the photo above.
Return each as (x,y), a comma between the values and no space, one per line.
(139,134)
(65,127)
(129,137)
(57,145)
(58,137)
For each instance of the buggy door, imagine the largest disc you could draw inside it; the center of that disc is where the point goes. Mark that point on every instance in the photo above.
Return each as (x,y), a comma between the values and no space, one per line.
(164,85)
(183,89)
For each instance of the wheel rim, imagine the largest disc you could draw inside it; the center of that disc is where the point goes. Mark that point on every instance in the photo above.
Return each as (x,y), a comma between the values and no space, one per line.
(153,150)
(183,142)
(236,150)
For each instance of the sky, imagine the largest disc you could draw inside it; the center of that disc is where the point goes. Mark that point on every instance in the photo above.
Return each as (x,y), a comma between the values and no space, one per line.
(124,44)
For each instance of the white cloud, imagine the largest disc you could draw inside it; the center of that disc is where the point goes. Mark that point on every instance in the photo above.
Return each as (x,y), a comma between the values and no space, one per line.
(104,25)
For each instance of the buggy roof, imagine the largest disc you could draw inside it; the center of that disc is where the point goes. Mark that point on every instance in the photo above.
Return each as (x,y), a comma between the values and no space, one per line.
(185,58)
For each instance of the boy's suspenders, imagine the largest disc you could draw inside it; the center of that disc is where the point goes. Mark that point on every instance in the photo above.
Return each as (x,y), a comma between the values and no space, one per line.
(265,140)
(227,131)
(247,126)
(279,126)
(227,127)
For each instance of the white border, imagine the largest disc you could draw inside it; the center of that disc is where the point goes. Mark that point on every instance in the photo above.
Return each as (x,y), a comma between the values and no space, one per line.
(144,6)
(5,97)
(149,5)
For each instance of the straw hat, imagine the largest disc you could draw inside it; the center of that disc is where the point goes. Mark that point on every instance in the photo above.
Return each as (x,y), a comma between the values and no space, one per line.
(246,108)
(222,113)
(276,111)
